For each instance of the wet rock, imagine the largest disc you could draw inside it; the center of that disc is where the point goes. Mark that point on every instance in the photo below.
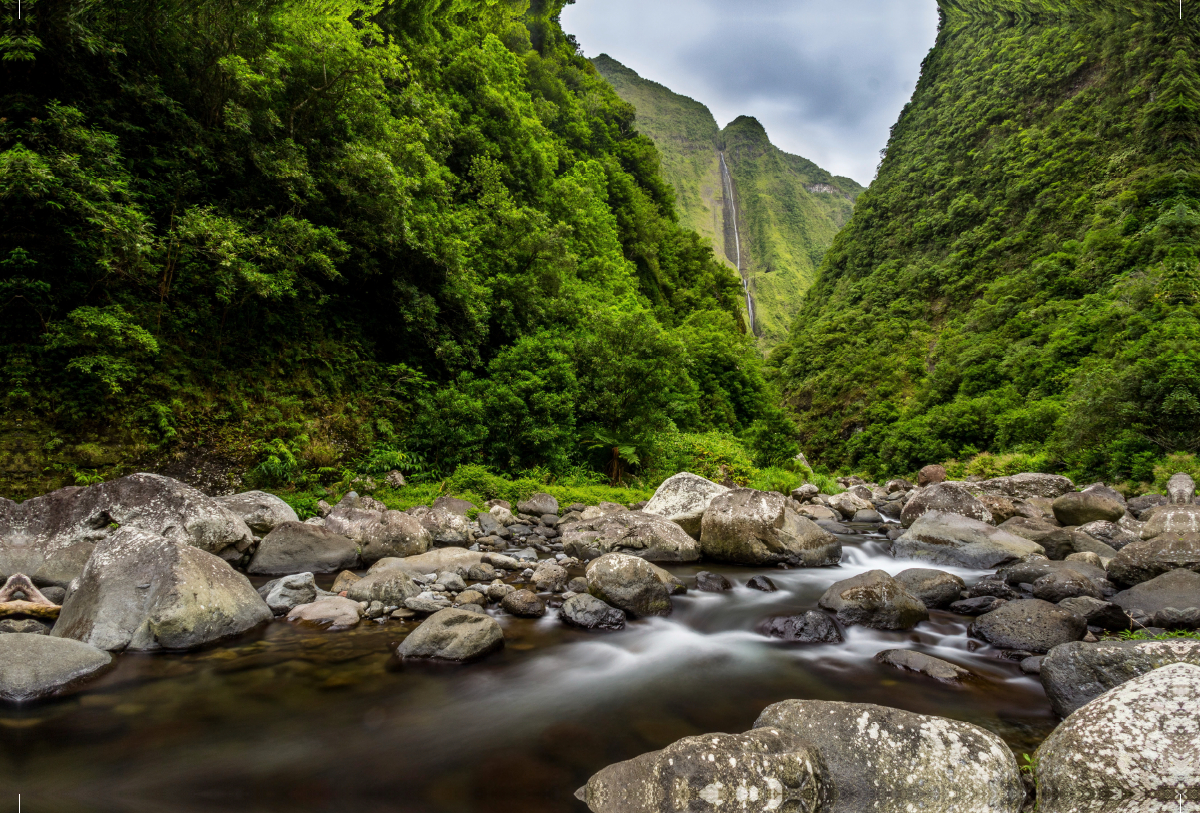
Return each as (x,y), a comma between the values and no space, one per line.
(294,547)
(1110,533)
(497,591)
(1134,748)
(379,534)
(992,586)
(344,580)
(648,536)
(868,516)
(874,599)
(283,595)
(951,539)
(1098,613)
(810,627)
(1076,673)
(934,588)
(538,504)
(501,562)
(1061,584)
(749,527)
(708,582)
(947,498)
(1178,588)
(523,604)
(835,527)
(774,769)
(761,583)
(390,587)
(453,635)
(140,591)
(1032,624)
(588,612)
(909,660)
(1086,543)
(931,475)
(260,511)
(981,605)
(890,760)
(35,666)
(454,505)
(1144,559)
(1030,571)
(1027,486)
(683,499)
(450,580)
(1174,520)
(628,583)
(334,614)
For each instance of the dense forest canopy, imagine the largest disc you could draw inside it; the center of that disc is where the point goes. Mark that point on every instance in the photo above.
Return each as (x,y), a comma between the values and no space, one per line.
(299,231)
(1022,276)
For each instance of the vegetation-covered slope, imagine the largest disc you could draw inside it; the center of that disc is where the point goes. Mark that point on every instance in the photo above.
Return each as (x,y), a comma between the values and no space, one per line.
(1022,275)
(788,208)
(296,233)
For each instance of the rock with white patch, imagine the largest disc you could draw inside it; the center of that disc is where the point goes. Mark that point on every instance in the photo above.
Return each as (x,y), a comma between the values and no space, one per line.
(749,527)
(683,499)
(262,512)
(1027,486)
(1135,748)
(947,498)
(1074,674)
(379,533)
(637,533)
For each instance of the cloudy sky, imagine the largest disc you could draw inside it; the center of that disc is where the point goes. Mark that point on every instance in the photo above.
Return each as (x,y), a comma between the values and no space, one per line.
(827,79)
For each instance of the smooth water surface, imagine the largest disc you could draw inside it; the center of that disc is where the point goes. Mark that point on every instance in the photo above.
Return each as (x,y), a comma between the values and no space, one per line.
(295,719)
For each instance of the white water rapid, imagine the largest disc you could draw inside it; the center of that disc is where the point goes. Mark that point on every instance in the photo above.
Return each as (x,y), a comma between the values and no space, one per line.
(727,184)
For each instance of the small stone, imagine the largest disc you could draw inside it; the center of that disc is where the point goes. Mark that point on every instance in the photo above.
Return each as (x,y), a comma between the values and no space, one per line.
(712,582)
(810,627)
(912,661)
(523,604)
(977,606)
(762,583)
(1032,665)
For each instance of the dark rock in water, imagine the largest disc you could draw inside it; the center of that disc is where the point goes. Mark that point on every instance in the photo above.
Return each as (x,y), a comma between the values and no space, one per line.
(1145,559)
(891,510)
(977,606)
(35,666)
(874,599)
(779,770)
(931,475)
(1074,674)
(761,583)
(894,533)
(295,547)
(712,582)
(589,612)
(523,604)
(1132,749)
(1032,624)
(1103,614)
(948,498)
(867,516)
(935,588)
(453,635)
(909,660)
(883,759)
(30,626)
(1178,588)
(1061,584)
(810,627)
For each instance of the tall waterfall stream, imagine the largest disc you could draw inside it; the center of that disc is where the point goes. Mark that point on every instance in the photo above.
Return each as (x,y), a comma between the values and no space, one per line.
(731,207)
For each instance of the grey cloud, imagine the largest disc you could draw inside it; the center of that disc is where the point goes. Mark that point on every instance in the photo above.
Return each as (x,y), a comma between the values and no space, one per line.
(826,79)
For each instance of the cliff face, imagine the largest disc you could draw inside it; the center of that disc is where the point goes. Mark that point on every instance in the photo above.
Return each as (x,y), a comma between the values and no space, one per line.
(786,209)
(1021,277)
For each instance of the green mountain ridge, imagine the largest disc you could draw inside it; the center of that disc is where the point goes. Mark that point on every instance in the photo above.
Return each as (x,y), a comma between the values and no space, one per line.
(1021,278)
(787,208)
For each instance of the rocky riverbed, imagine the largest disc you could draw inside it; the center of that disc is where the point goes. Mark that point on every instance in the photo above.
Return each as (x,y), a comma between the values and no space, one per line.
(455,662)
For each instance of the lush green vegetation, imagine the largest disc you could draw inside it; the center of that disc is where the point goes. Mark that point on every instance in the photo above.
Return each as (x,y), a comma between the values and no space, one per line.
(303,236)
(789,208)
(1021,279)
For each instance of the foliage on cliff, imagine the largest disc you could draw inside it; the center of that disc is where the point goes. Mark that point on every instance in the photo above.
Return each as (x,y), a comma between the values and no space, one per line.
(1022,276)
(294,230)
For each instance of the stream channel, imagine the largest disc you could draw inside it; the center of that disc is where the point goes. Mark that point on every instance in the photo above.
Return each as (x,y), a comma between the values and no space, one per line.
(295,719)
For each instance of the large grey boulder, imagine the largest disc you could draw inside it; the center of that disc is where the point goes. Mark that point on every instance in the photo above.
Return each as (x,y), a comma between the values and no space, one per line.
(1030,571)
(1082,507)
(849,503)
(874,599)
(1181,489)
(438,560)
(1110,533)
(683,499)
(1064,584)
(445,526)
(453,635)
(1178,588)
(296,547)
(1056,540)
(637,533)
(629,584)
(1029,624)
(378,532)
(50,538)
(762,770)
(538,504)
(931,475)
(588,612)
(1074,674)
(934,588)
(1098,613)
(37,666)
(810,627)
(390,587)
(1176,520)
(285,594)
(749,527)
(891,760)
(1027,486)
(1134,748)
(139,591)
(260,511)
(946,498)
(943,538)
(1145,559)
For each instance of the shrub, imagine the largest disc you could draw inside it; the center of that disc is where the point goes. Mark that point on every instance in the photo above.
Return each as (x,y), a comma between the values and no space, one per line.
(715,455)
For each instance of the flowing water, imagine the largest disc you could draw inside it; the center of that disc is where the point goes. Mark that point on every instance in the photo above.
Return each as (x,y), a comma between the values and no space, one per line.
(727,183)
(295,719)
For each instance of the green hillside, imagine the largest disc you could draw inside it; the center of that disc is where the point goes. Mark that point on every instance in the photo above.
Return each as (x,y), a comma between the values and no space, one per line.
(789,209)
(1022,275)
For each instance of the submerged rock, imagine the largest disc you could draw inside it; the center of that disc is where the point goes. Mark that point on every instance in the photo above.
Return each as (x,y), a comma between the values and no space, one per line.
(683,499)
(453,635)
(749,527)
(1074,674)
(874,599)
(588,612)
(1135,748)
(708,582)
(810,627)
(37,666)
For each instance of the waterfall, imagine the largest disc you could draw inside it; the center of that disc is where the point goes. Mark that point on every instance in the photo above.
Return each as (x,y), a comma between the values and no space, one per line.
(727,184)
